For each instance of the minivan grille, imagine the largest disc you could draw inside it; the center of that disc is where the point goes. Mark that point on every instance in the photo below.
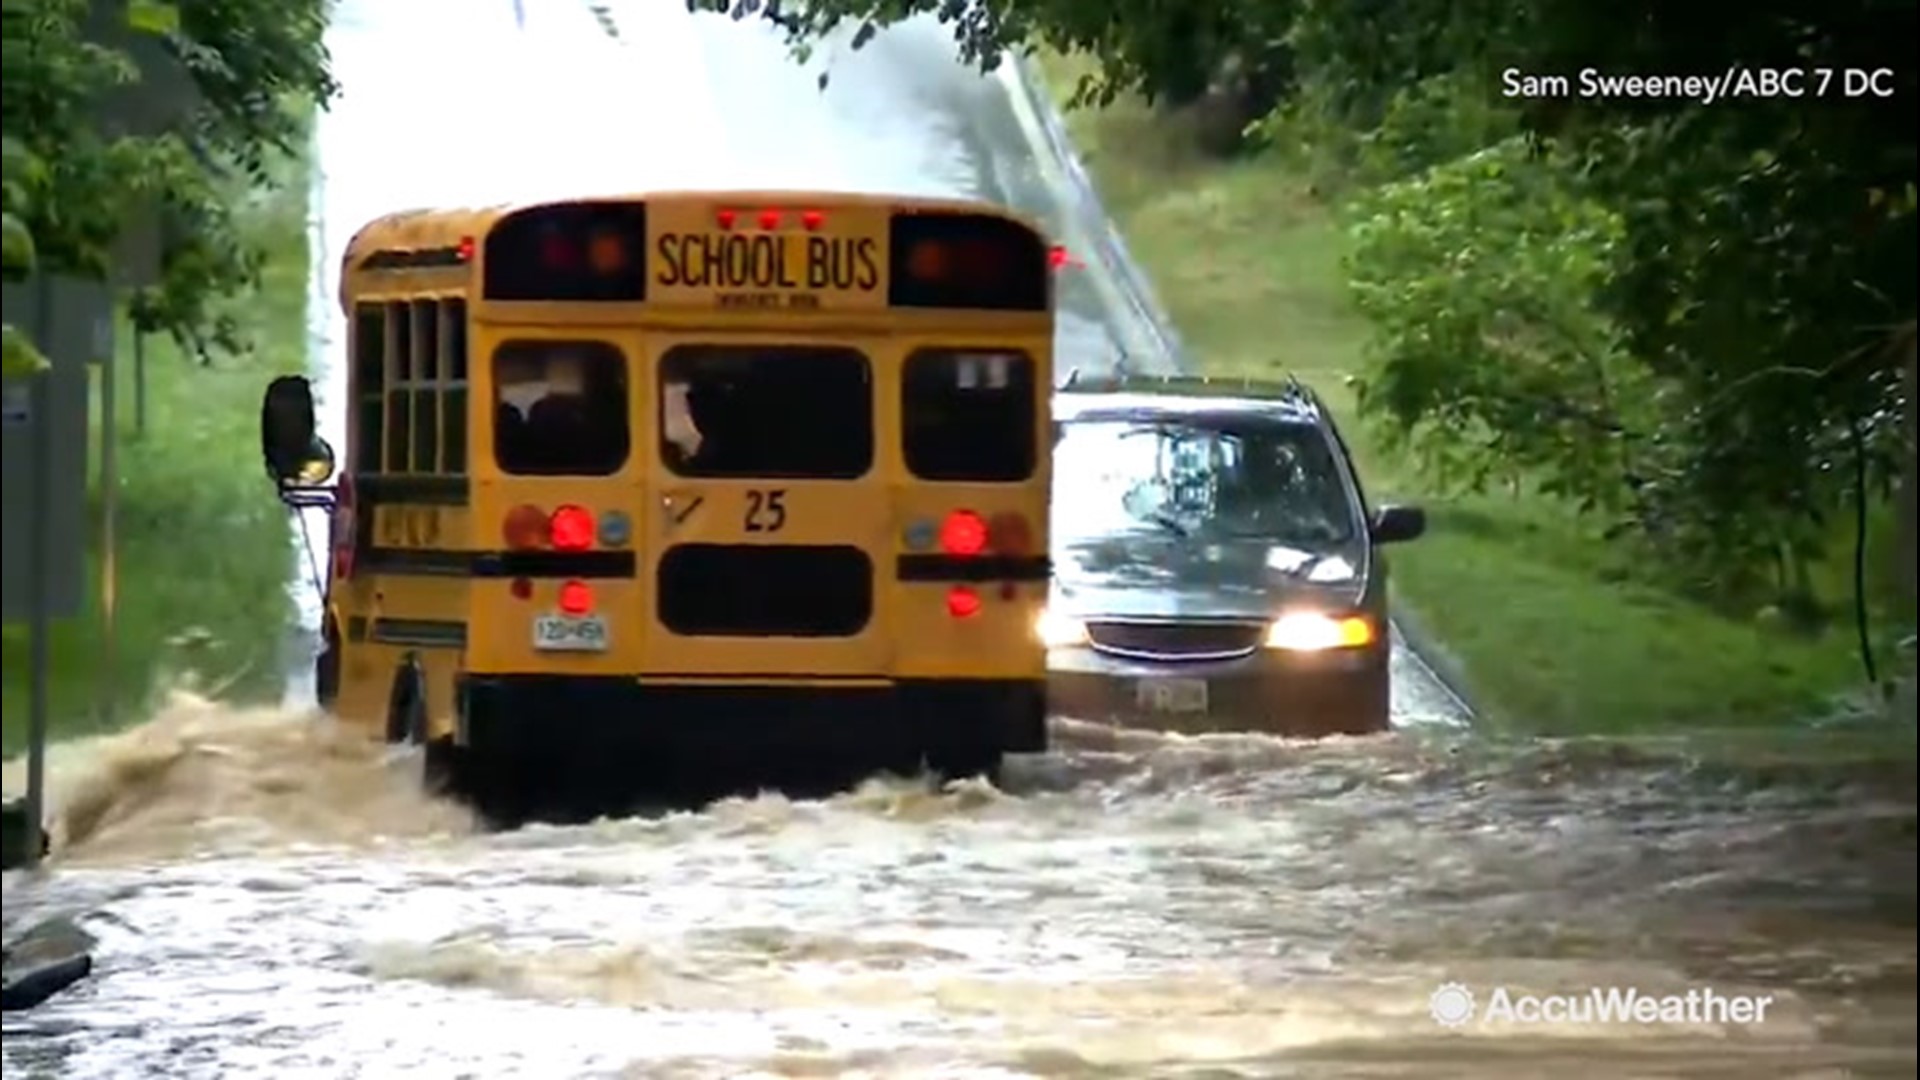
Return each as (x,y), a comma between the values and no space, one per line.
(1176,641)
(762,590)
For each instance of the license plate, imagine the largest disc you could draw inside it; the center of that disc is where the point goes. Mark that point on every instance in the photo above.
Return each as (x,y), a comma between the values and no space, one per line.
(567,633)
(1173,695)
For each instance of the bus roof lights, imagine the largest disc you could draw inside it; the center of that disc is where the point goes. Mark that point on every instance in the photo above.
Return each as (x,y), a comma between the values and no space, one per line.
(556,252)
(812,220)
(725,219)
(607,253)
(769,220)
(928,261)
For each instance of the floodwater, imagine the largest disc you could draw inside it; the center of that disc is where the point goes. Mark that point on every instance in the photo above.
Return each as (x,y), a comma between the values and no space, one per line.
(272,898)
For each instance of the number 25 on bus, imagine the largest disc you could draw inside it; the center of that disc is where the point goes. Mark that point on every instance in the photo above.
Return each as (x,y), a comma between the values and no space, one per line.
(718,485)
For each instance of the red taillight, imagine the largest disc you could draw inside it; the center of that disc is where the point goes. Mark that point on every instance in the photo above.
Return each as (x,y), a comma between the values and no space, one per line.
(576,598)
(1009,534)
(465,251)
(963,602)
(963,533)
(571,529)
(725,219)
(769,219)
(811,220)
(525,528)
(1057,256)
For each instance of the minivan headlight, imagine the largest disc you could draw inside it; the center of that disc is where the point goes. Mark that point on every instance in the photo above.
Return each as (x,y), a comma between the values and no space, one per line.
(1312,631)
(1057,631)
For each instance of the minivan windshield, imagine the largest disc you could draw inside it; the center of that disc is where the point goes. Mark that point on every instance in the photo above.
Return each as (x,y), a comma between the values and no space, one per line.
(1215,479)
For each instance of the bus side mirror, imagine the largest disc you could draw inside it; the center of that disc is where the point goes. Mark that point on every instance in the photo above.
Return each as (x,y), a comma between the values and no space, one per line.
(295,454)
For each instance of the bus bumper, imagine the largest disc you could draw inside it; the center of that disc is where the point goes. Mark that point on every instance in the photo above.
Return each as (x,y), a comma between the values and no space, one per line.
(571,747)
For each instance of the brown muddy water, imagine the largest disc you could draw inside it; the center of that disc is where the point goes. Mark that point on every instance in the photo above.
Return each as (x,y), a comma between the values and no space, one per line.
(273,900)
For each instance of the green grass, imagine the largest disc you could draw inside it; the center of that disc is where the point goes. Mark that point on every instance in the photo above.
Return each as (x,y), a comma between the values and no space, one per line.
(1551,630)
(203,545)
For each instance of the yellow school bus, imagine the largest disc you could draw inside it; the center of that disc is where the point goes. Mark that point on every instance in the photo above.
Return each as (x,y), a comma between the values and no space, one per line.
(694,490)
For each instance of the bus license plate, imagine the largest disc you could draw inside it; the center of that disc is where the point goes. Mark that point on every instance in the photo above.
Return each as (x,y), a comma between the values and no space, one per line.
(567,633)
(1173,695)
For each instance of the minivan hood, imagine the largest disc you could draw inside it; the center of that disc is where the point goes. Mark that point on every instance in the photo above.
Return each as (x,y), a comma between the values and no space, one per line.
(1151,576)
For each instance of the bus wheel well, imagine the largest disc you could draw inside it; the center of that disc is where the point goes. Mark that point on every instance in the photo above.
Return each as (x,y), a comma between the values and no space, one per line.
(407,702)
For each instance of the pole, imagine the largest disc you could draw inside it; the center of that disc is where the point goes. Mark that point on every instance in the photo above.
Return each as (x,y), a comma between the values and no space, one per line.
(38,558)
(139,384)
(109,684)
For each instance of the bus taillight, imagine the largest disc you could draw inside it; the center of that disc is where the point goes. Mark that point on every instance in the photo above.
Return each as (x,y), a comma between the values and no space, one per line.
(963,602)
(571,529)
(525,528)
(576,598)
(964,533)
(1009,534)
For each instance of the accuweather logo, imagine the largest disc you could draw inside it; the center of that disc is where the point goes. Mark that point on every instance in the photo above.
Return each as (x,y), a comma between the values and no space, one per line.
(1453,1005)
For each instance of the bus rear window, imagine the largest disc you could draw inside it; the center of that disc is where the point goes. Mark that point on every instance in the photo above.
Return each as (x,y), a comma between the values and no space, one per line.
(969,415)
(560,408)
(774,411)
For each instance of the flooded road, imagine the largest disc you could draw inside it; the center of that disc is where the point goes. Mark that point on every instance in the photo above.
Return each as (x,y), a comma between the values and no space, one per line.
(272,899)
(272,902)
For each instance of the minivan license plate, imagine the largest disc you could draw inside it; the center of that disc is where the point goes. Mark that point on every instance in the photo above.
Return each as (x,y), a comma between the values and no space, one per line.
(1173,695)
(569,633)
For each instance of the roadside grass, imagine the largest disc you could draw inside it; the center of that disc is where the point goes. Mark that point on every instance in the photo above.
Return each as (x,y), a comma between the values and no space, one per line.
(1552,631)
(203,551)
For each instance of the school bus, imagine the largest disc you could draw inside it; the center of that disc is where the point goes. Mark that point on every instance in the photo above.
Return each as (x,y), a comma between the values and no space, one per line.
(715,490)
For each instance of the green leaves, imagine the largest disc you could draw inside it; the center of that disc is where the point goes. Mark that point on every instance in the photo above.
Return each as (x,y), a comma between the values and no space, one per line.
(70,190)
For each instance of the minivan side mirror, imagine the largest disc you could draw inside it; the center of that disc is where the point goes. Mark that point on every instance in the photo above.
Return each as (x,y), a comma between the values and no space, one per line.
(295,454)
(1398,524)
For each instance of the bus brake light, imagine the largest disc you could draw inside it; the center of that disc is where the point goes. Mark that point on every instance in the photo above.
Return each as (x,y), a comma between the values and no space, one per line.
(964,533)
(1009,534)
(576,598)
(464,252)
(571,529)
(963,602)
(525,528)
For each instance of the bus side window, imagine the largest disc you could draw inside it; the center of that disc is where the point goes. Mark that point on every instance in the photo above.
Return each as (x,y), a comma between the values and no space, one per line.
(370,378)
(399,385)
(425,396)
(453,399)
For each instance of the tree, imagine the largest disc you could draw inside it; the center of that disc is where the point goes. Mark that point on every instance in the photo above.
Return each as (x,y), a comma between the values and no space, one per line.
(1728,276)
(71,187)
